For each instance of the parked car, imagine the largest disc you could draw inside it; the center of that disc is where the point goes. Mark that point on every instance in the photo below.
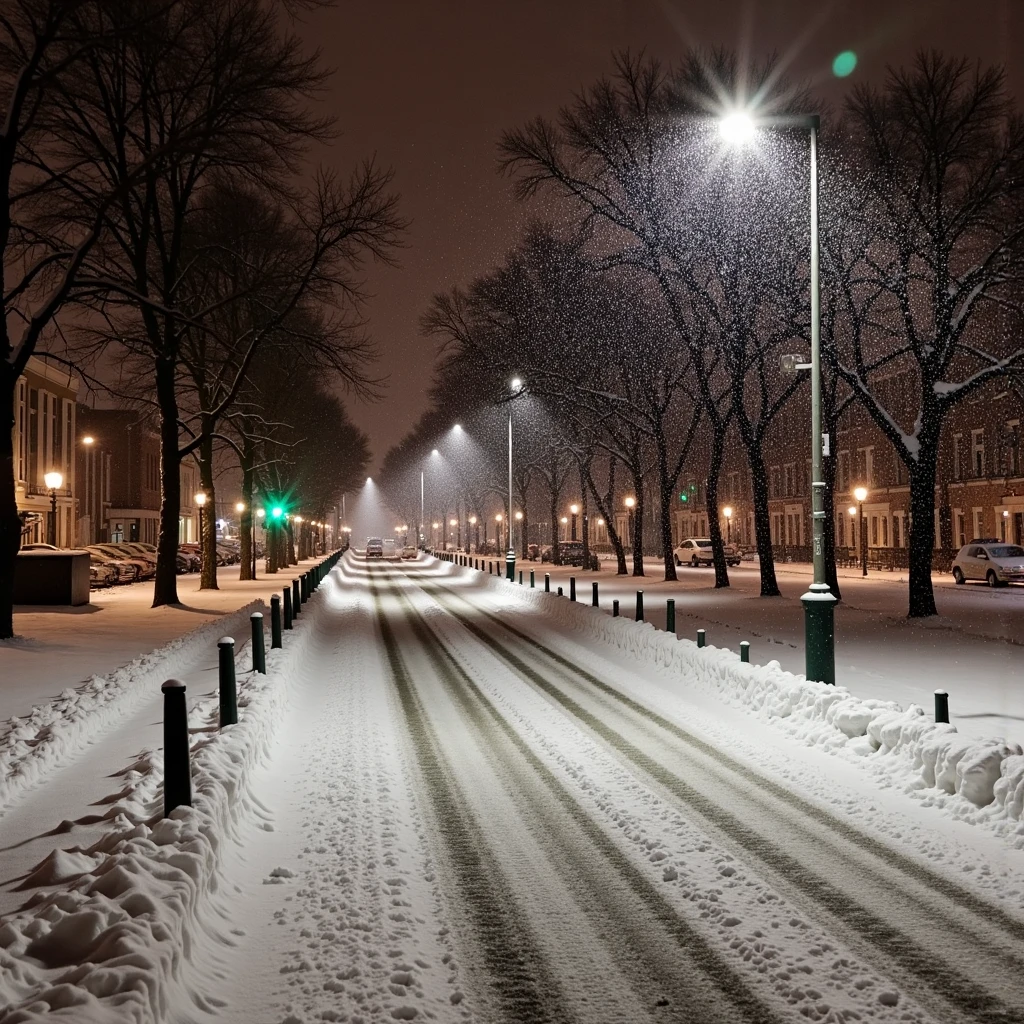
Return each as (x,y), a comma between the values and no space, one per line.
(992,561)
(111,553)
(374,547)
(143,558)
(697,551)
(124,571)
(409,551)
(570,552)
(101,574)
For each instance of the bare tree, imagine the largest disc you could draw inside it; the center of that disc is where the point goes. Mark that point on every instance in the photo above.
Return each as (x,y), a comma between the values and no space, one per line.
(940,151)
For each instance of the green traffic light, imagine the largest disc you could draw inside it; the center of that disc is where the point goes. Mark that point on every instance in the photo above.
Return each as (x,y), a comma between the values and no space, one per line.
(277,512)
(684,497)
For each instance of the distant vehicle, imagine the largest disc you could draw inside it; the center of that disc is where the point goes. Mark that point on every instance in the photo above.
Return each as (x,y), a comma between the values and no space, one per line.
(991,561)
(390,548)
(570,552)
(409,551)
(374,547)
(697,551)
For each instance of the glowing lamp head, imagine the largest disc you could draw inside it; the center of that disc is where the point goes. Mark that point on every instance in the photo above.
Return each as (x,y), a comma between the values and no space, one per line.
(88,439)
(565,519)
(574,509)
(860,493)
(498,518)
(630,502)
(298,519)
(436,526)
(261,513)
(472,520)
(453,522)
(519,515)
(239,506)
(435,453)
(457,428)
(727,511)
(852,510)
(53,480)
(517,383)
(600,522)
(737,127)
(201,498)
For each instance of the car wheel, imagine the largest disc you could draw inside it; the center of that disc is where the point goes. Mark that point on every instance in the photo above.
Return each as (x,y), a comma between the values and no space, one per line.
(695,562)
(958,576)
(993,579)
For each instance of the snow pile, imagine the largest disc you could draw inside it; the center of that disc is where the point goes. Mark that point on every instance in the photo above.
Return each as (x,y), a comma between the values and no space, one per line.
(113,941)
(31,746)
(984,772)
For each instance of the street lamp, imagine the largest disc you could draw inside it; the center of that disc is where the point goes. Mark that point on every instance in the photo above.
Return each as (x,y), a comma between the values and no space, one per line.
(510,557)
(89,441)
(53,481)
(819,601)
(575,510)
(630,504)
(498,519)
(861,493)
(727,512)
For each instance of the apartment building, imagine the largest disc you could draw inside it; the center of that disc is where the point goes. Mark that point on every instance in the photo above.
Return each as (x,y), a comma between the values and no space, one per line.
(44,442)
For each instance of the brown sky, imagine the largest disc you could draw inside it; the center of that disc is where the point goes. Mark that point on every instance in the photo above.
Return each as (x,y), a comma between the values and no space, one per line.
(429,85)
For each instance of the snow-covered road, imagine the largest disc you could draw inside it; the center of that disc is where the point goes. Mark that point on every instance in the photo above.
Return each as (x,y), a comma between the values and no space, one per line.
(469,812)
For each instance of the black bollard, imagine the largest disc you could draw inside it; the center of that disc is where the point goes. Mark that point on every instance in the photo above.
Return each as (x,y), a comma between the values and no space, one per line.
(296,600)
(670,616)
(593,595)
(547,583)
(745,652)
(259,654)
(702,638)
(520,577)
(639,606)
(287,593)
(177,771)
(533,580)
(275,622)
(226,681)
(559,591)
(615,609)
(572,588)
(490,568)
(941,706)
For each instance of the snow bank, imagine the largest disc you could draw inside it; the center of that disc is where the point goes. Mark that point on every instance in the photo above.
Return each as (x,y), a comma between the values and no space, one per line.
(33,745)
(984,772)
(132,911)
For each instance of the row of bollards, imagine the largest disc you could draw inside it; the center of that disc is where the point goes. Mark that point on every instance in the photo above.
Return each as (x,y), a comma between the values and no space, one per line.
(177,771)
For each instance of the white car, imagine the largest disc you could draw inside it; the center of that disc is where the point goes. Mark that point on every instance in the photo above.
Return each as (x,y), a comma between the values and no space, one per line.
(989,560)
(410,552)
(697,551)
(390,548)
(374,547)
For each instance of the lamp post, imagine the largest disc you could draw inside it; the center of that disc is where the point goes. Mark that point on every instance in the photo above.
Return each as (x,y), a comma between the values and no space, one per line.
(53,481)
(575,510)
(727,512)
(630,504)
(498,519)
(434,527)
(522,539)
(476,533)
(819,601)
(90,442)
(861,493)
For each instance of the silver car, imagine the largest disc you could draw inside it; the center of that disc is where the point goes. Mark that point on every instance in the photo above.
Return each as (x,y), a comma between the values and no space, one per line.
(990,561)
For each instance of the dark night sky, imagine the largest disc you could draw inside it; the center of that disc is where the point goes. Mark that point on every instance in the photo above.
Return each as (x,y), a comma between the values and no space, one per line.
(429,85)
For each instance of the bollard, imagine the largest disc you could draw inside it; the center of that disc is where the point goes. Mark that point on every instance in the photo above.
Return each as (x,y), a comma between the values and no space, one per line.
(520,577)
(275,622)
(259,654)
(287,592)
(615,609)
(533,580)
(941,706)
(547,583)
(226,681)
(572,588)
(490,568)
(296,600)
(639,606)
(559,591)
(177,772)
(745,652)
(670,615)
(702,638)
(593,595)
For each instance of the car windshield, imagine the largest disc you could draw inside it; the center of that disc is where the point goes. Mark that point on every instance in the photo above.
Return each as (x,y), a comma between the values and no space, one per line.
(372,540)
(1006,551)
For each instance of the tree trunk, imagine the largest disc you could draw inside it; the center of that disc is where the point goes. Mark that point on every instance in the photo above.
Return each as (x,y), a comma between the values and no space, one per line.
(556,555)
(922,527)
(666,491)
(711,504)
(10,521)
(208,542)
(606,506)
(165,585)
(248,518)
(762,520)
(585,519)
(290,544)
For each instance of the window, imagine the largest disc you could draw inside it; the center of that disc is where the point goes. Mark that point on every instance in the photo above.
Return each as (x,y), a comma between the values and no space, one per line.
(840,530)
(843,472)
(866,466)
(961,528)
(896,531)
(957,469)
(790,479)
(885,531)
(774,485)
(874,531)
(1012,460)
(979,522)
(978,452)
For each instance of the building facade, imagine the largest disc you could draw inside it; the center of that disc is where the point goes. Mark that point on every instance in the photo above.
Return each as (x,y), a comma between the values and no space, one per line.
(119,466)
(44,442)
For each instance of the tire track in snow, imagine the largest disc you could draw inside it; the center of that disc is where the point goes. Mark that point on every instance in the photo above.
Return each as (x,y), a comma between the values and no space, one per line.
(520,979)
(913,954)
(703,976)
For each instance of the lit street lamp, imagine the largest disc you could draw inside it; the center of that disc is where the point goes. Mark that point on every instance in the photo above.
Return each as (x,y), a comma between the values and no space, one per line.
(499,519)
(53,481)
(510,556)
(575,510)
(861,493)
(727,512)
(630,504)
(819,601)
